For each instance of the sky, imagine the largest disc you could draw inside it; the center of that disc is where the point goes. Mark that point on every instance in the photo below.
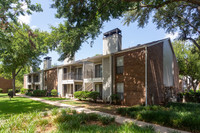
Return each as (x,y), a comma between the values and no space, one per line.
(131,35)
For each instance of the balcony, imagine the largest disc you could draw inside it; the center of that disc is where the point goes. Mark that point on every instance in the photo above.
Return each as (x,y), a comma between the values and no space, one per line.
(36,79)
(72,76)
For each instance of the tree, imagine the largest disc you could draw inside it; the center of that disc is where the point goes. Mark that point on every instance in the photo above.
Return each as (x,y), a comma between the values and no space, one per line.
(9,12)
(24,49)
(173,16)
(189,63)
(84,19)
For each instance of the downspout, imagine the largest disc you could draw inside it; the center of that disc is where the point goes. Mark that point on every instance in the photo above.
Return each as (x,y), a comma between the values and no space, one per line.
(146,75)
(111,71)
(57,82)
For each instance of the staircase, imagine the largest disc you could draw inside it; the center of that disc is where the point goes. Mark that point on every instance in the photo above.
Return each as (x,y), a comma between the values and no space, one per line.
(89,87)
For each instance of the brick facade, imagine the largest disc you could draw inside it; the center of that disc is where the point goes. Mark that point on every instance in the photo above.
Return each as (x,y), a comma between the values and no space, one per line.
(155,89)
(5,84)
(133,76)
(51,79)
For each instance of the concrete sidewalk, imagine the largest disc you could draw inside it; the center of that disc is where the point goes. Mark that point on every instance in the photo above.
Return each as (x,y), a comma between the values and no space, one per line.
(118,119)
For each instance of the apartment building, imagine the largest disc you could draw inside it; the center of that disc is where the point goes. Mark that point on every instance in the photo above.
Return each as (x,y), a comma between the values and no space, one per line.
(139,75)
(5,84)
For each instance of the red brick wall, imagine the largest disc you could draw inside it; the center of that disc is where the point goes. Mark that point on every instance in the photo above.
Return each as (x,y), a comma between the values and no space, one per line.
(155,90)
(133,76)
(5,84)
(51,79)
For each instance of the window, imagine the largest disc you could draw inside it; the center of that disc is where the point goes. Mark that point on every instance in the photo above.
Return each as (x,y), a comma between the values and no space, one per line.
(120,65)
(29,78)
(36,78)
(120,90)
(65,70)
(78,87)
(37,87)
(98,71)
(29,86)
(78,73)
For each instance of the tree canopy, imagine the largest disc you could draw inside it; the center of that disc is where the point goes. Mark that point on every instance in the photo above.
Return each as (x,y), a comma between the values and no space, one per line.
(189,63)
(84,19)
(10,10)
(24,49)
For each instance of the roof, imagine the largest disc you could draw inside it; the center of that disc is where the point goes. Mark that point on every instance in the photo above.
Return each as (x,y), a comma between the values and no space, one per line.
(79,62)
(47,58)
(111,32)
(142,45)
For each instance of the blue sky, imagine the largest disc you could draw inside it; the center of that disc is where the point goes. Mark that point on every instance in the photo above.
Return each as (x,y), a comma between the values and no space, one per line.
(131,35)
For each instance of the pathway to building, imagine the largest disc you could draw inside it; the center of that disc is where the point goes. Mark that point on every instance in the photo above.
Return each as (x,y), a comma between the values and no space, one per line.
(118,119)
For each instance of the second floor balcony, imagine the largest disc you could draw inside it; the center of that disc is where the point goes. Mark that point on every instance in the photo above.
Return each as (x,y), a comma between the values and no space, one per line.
(35,79)
(72,76)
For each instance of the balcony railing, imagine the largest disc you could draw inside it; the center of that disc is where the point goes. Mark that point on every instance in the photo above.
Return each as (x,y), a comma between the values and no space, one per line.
(36,80)
(29,80)
(70,76)
(90,74)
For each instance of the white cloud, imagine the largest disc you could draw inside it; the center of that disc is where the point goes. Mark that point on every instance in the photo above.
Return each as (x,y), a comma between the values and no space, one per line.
(34,27)
(172,36)
(26,18)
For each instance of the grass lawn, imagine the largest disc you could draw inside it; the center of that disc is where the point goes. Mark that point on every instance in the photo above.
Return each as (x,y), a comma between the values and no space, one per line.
(108,108)
(184,116)
(25,115)
(67,121)
(19,105)
(54,98)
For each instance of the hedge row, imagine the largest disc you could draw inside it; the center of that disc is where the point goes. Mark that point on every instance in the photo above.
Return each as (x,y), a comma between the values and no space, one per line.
(190,96)
(39,93)
(185,116)
(86,94)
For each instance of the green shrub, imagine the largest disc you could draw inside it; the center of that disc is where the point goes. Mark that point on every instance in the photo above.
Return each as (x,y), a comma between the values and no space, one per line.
(23,90)
(177,115)
(63,112)
(10,90)
(93,117)
(81,94)
(115,98)
(54,111)
(78,94)
(191,96)
(1,90)
(45,114)
(29,93)
(85,94)
(54,92)
(30,90)
(17,90)
(43,122)
(39,92)
(93,95)
(105,120)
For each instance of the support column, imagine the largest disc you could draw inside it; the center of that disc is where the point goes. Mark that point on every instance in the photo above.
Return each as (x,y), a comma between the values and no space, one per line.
(73,89)
(93,86)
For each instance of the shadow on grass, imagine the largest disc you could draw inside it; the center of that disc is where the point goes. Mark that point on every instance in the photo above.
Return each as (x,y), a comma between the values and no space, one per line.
(19,105)
(54,98)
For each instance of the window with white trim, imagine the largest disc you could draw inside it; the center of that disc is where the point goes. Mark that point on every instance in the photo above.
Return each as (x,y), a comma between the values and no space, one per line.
(120,90)
(120,65)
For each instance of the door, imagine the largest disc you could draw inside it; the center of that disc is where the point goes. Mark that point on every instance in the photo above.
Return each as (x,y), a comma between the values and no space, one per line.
(98,88)
(64,90)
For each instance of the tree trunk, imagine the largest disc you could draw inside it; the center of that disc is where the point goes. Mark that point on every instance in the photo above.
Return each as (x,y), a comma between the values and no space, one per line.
(13,82)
